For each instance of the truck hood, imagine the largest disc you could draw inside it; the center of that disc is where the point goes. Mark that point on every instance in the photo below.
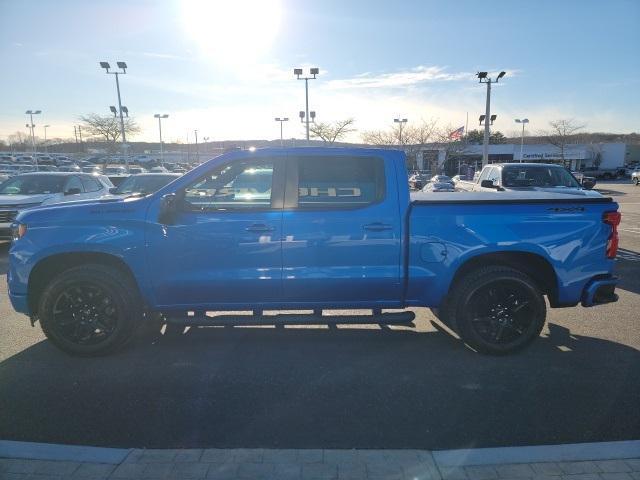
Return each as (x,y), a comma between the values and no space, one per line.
(82,210)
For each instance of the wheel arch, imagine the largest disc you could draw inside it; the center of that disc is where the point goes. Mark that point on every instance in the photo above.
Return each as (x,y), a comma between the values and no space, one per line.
(532,264)
(48,267)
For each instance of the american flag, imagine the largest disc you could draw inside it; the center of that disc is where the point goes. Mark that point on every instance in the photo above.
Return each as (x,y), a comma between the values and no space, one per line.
(457,134)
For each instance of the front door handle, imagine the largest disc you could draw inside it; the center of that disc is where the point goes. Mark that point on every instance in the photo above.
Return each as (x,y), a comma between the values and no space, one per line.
(377,226)
(259,228)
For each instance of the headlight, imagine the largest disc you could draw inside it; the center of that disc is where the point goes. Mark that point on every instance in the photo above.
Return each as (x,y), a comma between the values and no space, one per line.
(18,230)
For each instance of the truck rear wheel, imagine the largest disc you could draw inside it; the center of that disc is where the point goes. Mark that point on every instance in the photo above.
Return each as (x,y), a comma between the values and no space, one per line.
(89,310)
(496,310)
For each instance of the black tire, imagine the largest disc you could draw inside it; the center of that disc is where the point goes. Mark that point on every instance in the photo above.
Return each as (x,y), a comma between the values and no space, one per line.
(637,181)
(90,310)
(496,310)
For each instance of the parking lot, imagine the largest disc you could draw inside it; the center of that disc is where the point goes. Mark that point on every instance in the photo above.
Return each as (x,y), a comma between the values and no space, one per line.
(321,387)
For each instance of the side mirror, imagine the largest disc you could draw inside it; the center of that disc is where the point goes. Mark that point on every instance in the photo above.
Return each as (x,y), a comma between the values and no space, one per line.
(488,184)
(588,184)
(113,189)
(168,209)
(72,191)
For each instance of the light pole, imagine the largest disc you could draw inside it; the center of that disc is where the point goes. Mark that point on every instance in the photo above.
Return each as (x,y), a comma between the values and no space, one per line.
(31,125)
(400,122)
(483,77)
(281,120)
(197,151)
(45,138)
(312,71)
(123,67)
(160,116)
(524,121)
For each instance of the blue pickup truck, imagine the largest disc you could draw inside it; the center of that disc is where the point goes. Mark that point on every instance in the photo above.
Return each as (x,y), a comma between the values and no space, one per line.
(310,229)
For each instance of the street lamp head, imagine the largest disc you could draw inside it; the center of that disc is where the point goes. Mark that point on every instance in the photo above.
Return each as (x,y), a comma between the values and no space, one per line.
(493,117)
(525,120)
(312,114)
(285,119)
(46,126)
(301,115)
(314,71)
(481,75)
(297,71)
(517,120)
(28,112)
(37,112)
(125,110)
(105,65)
(122,65)
(156,115)
(481,119)
(501,74)
(113,110)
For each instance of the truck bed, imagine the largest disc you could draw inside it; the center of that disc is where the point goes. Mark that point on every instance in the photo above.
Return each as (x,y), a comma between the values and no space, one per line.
(506,197)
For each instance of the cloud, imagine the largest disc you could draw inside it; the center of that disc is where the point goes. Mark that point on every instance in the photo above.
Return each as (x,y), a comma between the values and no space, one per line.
(413,76)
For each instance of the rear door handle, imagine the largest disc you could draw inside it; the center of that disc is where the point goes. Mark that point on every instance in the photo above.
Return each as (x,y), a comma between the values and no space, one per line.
(377,226)
(259,227)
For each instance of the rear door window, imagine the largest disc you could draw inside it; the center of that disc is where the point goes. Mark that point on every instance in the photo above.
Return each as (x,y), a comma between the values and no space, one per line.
(337,182)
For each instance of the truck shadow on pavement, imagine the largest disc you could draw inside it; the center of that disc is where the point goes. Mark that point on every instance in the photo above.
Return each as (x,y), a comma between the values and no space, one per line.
(323,388)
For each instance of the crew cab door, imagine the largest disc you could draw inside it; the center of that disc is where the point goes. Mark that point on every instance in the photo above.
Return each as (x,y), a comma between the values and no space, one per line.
(341,231)
(223,245)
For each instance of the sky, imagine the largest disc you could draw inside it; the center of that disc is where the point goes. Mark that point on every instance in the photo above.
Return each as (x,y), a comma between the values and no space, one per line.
(225,67)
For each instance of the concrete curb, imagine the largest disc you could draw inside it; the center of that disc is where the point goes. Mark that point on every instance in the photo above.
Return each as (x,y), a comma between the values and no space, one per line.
(442,458)
(51,451)
(538,453)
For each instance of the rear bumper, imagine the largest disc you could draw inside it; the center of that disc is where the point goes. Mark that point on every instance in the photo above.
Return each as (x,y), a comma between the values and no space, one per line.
(599,291)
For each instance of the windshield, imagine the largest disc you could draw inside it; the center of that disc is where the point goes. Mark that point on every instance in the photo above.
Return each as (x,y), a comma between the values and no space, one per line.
(143,184)
(33,185)
(537,176)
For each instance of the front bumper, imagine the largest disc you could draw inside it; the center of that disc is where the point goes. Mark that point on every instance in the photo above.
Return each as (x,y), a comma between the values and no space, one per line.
(600,290)
(20,303)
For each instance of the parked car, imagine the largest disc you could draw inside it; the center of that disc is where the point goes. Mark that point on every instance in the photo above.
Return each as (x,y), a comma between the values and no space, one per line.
(115,170)
(635,177)
(137,170)
(143,183)
(69,168)
(439,187)
(333,228)
(40,188)
(441,179)
(545,177)
(418,180)
(92,169)
(605,173)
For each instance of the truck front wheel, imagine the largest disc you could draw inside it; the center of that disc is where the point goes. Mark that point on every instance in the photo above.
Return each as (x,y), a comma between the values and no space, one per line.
(496,310)
(89,310)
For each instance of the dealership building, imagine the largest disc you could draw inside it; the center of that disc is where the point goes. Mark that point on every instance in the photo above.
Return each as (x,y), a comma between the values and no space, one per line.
(438,158)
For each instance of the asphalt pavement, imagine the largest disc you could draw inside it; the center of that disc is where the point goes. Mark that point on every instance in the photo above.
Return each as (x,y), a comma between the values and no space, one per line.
(337,387)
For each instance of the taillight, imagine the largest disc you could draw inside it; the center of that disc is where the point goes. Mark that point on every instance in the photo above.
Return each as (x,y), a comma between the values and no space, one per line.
(612,219)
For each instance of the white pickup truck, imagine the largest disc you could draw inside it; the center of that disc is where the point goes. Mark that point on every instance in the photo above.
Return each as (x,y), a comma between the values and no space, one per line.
(526,176)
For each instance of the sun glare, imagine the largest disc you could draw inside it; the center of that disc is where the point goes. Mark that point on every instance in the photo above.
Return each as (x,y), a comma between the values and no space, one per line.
(232,31)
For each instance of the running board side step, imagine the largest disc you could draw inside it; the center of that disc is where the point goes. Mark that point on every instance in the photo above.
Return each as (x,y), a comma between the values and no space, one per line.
(202,320)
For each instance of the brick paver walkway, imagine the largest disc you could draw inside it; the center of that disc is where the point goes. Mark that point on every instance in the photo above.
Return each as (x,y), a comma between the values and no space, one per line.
(258,464)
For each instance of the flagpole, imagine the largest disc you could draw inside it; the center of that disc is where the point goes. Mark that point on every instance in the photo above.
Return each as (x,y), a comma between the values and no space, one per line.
(466,129)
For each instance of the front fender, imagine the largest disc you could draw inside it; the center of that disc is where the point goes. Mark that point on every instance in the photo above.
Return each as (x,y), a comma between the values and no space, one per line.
(124,241)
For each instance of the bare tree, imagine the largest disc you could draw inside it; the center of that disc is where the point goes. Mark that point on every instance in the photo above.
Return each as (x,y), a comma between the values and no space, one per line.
(330,132)
(19,140)
(107,128)
(562,133)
